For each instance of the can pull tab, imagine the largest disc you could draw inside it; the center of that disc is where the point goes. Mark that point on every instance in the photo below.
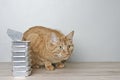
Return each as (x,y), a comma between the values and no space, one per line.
(14,35)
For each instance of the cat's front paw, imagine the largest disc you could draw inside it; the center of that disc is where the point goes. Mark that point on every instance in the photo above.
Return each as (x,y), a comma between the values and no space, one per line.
(50,68)
(60,65)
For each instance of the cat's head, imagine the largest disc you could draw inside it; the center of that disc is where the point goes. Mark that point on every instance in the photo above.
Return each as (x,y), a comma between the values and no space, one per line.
(61,47)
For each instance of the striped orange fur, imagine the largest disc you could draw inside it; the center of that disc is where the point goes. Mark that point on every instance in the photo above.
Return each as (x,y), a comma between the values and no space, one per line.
(48,47)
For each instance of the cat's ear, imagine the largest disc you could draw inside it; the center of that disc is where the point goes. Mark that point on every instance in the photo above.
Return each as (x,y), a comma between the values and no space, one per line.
(70,35)
(54,38)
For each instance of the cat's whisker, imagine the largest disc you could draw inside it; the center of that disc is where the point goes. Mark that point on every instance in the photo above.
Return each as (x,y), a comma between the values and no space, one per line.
(59,55)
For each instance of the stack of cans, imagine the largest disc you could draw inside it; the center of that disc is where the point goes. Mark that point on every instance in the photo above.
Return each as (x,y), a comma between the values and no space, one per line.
(21,58)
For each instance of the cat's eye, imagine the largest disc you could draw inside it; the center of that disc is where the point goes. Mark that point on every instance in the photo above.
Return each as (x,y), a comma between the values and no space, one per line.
(69,46)
(60,47)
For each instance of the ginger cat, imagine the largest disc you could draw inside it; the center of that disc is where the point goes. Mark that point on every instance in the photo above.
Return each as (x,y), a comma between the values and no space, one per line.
(49,47)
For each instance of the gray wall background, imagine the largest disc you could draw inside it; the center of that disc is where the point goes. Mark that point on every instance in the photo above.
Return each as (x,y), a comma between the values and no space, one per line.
(96,24)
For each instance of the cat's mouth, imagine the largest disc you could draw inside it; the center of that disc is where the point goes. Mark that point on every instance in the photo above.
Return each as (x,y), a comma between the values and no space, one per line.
(65,58)
(59,56)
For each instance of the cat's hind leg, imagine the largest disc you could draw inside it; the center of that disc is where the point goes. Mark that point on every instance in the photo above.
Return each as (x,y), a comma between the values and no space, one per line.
(35,66)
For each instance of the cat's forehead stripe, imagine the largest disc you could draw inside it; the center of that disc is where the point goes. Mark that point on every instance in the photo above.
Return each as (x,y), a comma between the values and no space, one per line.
(64,41)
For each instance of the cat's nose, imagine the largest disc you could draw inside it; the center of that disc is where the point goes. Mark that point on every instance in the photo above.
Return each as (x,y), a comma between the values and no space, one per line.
(67,53)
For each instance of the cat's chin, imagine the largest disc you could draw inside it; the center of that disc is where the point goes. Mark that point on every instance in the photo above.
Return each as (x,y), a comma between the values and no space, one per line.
(66,58)
(61,58)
